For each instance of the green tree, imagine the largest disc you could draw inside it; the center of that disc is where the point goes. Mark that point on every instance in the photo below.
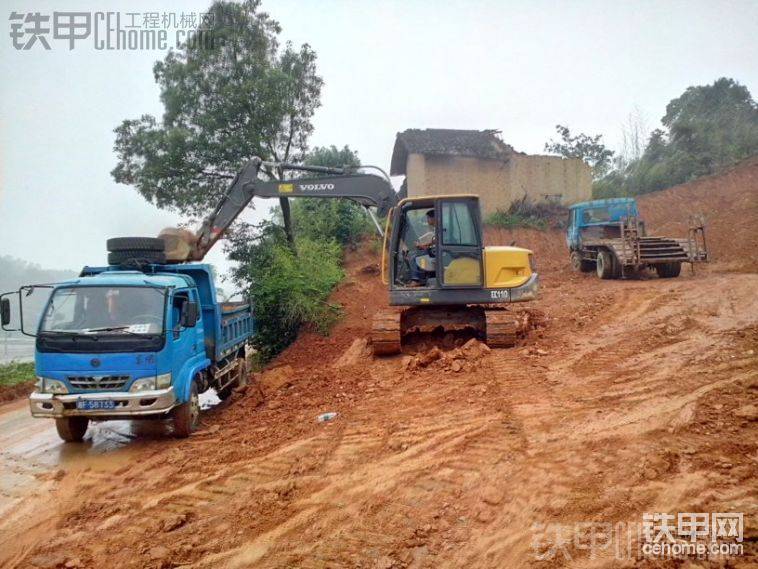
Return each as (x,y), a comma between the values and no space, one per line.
(290,288)
(705,129)
(582,146)
(340,220)
(710,126)
(239,95)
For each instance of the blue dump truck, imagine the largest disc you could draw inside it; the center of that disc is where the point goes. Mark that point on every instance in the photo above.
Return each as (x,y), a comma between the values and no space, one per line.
(133,340)
(608,237)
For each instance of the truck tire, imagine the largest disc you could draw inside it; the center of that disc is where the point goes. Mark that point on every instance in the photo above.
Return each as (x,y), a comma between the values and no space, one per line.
(137,256)
(186,417)
(617,269)
(135,244)
(578,264)
(606,265)
(242,378)
(239,381)
(72,429)
(668,270)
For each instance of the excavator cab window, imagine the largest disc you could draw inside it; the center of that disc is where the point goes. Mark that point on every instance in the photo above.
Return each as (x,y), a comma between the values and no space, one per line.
(460,244)
(415,262)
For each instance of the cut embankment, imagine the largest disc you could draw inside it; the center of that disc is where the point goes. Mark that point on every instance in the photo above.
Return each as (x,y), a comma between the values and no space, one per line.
(729,202)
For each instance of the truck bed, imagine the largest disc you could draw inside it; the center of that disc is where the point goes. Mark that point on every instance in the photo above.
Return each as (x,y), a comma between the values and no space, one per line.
(648,250)
(237,325)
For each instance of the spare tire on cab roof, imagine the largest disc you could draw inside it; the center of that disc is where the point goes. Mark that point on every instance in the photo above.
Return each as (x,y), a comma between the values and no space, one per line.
(137,256)
(131,244)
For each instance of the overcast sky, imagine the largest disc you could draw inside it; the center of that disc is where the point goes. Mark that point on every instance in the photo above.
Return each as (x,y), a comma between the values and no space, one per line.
(521,67)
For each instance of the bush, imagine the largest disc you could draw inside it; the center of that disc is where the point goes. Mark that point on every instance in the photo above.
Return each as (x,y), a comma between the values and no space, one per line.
(330,219)
(289,288)
(527,213)
(336,219)
(15,372)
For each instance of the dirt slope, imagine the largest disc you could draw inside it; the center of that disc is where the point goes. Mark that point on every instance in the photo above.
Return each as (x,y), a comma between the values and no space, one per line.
(730,204)
(632,397)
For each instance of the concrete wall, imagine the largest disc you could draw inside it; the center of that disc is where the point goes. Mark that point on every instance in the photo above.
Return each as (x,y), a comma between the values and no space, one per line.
(498,183)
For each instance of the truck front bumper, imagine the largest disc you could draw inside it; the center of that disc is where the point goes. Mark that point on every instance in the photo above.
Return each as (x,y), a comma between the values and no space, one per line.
(156,402)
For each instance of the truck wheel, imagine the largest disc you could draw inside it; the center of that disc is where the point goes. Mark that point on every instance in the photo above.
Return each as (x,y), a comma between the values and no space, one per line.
(239,381)
(72,429)
(617,269)
(186,416)
(578,264)
(605,265)
(668,270)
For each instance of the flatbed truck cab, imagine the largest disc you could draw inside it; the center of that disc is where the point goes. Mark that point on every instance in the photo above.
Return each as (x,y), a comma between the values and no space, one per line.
(135,344)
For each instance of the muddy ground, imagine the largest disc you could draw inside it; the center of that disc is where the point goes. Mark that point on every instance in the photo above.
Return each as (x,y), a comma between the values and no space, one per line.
(631,397)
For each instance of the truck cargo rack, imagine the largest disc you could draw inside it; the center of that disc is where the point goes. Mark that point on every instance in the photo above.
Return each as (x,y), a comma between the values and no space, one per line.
(634,249)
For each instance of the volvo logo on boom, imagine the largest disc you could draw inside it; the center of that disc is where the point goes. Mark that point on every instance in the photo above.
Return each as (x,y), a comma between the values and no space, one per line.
(316,187)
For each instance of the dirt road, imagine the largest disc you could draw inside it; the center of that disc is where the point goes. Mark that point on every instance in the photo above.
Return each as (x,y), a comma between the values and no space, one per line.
(632,397)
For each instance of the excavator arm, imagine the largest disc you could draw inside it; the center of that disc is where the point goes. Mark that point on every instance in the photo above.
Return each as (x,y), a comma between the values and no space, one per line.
(369,190)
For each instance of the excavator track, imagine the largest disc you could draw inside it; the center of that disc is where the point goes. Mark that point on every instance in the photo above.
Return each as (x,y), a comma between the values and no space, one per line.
(504,328)
(385,333)
(497,327)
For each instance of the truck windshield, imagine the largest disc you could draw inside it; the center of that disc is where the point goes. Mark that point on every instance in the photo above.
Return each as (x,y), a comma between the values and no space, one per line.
(105,310)
(596,215)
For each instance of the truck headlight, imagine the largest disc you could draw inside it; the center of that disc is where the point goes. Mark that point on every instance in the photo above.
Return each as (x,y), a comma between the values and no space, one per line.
(163,381)
(144,384)
(45,385)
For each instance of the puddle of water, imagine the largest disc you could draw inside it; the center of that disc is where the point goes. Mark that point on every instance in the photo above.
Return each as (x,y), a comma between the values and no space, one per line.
(30,447)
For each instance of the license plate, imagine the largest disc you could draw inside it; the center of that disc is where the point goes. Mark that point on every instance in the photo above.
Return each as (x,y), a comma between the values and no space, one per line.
(96,405)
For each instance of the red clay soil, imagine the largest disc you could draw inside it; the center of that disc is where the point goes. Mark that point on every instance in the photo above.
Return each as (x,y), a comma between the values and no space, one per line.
(12,392)
(633,396)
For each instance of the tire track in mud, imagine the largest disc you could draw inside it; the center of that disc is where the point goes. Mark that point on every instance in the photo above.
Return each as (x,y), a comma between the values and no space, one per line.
(417,462)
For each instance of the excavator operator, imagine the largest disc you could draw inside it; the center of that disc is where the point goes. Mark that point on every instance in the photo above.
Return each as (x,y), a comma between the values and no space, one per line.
(422,258)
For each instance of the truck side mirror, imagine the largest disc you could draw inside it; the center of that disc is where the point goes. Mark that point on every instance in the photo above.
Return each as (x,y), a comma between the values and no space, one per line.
(189,314)
(5,311)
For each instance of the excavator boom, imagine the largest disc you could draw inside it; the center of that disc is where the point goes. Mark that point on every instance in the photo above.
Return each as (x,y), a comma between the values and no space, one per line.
(369,190)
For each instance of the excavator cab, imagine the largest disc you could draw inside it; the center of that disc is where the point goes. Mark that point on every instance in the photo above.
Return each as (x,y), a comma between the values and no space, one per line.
(436,243)
(435,264)
(445,261)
